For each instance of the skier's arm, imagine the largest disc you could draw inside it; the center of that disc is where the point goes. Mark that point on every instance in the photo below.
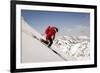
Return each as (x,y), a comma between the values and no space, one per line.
(46,31)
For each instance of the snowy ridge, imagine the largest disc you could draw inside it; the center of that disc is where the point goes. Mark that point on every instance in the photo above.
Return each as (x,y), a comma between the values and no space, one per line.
(73,48)
(29,30)
(32,49)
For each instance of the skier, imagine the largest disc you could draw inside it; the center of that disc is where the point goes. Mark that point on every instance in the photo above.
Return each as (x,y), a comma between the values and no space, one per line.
(50,34)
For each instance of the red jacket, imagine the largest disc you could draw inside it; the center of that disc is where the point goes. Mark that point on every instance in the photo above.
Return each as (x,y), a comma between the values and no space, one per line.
(50,32)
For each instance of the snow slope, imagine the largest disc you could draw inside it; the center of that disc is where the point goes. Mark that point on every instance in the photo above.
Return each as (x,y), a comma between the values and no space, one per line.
(69,47)
(32,49)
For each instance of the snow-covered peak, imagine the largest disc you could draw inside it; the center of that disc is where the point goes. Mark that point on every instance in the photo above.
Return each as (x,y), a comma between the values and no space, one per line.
(76,47)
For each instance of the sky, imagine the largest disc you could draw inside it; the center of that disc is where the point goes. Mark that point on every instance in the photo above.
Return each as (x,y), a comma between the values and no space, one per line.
(68,23)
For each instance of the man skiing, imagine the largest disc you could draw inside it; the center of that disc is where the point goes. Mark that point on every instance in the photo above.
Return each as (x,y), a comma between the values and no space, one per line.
(50,34)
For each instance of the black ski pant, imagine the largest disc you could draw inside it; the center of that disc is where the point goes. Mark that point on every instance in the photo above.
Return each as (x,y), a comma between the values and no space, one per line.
(50,42)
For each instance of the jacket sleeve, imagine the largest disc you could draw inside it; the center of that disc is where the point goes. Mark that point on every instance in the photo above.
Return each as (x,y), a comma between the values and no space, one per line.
(46,31)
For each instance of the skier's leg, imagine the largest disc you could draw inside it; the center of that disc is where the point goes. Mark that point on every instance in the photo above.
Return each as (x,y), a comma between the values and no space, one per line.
(51,42)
